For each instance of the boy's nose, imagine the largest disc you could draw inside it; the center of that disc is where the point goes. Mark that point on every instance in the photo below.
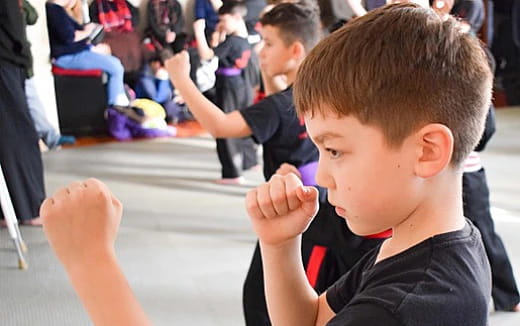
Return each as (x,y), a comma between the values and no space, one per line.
(323,177)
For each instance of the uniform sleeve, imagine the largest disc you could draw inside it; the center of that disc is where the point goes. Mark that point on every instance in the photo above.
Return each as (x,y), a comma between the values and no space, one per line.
(365,314)
(342,292)
(263,119)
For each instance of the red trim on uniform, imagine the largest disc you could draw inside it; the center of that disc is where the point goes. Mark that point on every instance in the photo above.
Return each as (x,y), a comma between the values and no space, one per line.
(76,72)
(314,265)
(381,235)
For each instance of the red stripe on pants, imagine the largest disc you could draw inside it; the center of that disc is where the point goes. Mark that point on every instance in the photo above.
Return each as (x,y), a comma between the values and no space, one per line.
(314,265)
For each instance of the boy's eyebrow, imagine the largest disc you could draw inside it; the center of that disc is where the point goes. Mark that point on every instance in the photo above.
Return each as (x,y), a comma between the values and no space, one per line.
(320,138)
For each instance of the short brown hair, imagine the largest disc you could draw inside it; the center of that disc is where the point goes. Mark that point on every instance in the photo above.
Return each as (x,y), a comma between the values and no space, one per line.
(399,68)
(295,22)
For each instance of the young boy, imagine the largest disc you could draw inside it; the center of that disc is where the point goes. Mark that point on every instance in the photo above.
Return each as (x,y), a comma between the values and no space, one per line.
(395,101)
(232,91)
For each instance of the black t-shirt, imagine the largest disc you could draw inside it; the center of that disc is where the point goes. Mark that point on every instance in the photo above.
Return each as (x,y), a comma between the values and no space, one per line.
(274,124)
(234,52)
(442,281)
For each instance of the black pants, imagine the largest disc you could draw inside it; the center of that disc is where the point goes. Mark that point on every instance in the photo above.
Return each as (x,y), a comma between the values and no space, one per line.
(235,154)
(19,151)
(476,208)
(341,248)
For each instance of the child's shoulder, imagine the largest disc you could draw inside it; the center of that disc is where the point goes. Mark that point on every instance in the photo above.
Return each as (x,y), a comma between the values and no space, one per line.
(436,280)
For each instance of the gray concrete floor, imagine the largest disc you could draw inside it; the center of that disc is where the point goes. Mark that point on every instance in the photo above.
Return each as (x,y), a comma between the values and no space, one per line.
(185,243)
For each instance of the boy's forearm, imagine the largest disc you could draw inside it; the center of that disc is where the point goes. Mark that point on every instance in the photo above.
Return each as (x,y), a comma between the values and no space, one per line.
(290,298)
(211,117)
(205,52)
(105,293)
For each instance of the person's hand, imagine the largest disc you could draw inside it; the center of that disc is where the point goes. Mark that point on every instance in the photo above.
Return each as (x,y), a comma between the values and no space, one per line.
(89,28)
(178,67)
(281,209)
(162,74)
(287,168)
(170,36)
(442,7)
(102,48)
(81,222)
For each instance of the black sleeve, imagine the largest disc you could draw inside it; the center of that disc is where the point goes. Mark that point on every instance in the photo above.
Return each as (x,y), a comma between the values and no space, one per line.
(341,292)
(263,119)
(93,12)
(365,314)
(60,26)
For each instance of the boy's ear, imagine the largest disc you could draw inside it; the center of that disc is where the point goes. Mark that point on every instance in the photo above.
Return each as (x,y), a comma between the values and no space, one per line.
(298,50)
(434,149)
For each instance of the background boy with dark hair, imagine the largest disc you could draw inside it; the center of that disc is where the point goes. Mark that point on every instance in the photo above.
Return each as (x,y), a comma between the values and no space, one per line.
(232,91)
(289,32)
(390,157)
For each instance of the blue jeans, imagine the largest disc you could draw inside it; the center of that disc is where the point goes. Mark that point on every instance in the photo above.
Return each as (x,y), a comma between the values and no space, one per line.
(111,65)
(45,130)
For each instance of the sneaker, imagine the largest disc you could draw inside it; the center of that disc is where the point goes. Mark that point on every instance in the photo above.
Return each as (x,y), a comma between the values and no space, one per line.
(66,140)
(231,181)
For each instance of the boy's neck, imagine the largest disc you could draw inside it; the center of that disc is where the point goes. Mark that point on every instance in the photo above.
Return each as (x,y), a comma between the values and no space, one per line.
(440,212)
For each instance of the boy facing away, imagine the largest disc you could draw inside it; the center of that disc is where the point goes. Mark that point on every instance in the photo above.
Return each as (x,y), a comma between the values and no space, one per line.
(395,101)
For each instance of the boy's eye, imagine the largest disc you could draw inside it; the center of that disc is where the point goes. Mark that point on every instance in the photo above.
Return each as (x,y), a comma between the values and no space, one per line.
(333,153)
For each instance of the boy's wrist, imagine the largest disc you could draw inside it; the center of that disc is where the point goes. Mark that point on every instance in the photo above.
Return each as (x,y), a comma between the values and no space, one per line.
(281,246)
(99,260)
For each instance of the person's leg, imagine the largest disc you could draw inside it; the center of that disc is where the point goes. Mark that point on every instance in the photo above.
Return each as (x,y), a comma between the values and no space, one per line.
(109,64)
(45,130)
(249,153)
(20,155)
(229,158)
(476,208)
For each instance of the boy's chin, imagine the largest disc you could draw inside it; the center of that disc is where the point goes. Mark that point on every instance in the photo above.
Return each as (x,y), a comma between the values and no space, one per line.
(363,230)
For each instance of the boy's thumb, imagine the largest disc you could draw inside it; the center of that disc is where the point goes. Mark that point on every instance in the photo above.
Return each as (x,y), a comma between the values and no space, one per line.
(309,198)
(307,194)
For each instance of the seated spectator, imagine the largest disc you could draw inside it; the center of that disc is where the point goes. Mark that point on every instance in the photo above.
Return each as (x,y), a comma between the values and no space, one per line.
(154,84)
(71,49)
(120,20)
(165,22)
